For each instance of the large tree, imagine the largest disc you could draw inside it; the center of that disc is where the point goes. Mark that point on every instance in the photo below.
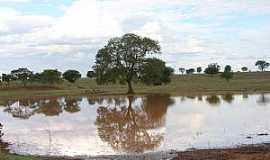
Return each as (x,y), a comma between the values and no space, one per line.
(121,59)
(262,65)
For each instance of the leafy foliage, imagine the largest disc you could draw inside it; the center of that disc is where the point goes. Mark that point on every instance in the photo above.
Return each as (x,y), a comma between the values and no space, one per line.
(199,69)
(90,74)
(155,72)
(262,65)
(50,76)
(6,78)
(212,68)
(121,59)
(182,70)
(244,69)
(72,75)
(190,71)
(227,74)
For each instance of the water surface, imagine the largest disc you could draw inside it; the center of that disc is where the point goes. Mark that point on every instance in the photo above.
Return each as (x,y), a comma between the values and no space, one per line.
(135,124)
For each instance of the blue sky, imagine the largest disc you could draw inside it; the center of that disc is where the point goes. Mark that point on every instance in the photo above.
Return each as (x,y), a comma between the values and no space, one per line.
(65,34)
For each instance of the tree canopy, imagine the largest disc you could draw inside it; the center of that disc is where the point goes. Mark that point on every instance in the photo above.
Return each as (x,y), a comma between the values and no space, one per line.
(90,74)
(155,72)
(72,75)
(190,71)
(262,65)
(182,70)
(121,59)
(51,76)
(212,68)
(244,69)
(227,74)
(199,69)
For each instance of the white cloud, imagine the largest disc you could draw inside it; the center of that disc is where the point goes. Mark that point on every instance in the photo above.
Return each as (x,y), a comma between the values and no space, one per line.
(87,24)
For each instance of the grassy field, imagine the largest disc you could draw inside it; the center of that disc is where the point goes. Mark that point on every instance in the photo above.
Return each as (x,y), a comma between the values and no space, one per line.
(180,85)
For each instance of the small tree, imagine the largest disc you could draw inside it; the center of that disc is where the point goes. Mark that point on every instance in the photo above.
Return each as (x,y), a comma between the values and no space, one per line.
(190,71)
(212,68)
(244,69)
(6,78)
(72,75)
(155,72)
(262,65)
(182,70)
(199,69)
(90,74)
(227,74)
(51,76)
(121,59)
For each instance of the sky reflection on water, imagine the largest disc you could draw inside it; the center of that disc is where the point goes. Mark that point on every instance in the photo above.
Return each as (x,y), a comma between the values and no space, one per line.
(118,125)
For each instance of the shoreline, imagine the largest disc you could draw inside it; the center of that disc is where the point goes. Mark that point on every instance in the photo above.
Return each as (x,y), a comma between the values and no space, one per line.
(243,152)
(91,93)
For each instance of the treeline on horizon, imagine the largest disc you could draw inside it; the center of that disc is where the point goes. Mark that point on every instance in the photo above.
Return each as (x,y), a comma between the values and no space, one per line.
(53,76)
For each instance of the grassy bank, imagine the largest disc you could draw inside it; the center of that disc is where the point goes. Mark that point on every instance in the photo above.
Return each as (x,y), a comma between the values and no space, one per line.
(180,85)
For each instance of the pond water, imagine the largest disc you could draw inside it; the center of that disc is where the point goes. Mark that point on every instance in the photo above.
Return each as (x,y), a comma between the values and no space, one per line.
(125,125)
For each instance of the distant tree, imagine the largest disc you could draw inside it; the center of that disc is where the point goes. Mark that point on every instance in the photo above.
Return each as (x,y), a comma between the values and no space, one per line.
(199,69)
(90,74)
(21,74)
(262,65)
(1,127)
(51,76)
(182,70)
(121,59)
(190,71)
(244,69)
(212,68)
(72,75)
(227,74)
(6,78)
(155,72)
(35,77)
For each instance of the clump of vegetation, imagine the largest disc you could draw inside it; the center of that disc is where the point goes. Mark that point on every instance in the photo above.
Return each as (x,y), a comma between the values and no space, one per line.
(72,75)
(227,74)
(244,69)
(90,74)
(182,70)
(212,69)
(190,71)
(262,65)
(199,69)
(155,72)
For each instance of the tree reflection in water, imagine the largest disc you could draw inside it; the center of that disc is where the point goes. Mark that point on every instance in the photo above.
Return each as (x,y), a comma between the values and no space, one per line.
(3,145)
(72,105)
(228,97)
(129,127)
(263,99)
(213,100)
(25,108)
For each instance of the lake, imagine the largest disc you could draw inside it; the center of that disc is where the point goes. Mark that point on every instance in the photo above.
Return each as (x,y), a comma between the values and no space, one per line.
(74,126)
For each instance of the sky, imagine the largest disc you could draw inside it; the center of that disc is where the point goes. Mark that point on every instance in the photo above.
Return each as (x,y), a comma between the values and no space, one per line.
(66,34)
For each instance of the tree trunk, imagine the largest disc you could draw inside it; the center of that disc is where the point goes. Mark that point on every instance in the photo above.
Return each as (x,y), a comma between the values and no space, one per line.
(130,89)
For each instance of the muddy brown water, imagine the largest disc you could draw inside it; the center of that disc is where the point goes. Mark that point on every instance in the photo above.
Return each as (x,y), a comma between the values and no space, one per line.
(95,126)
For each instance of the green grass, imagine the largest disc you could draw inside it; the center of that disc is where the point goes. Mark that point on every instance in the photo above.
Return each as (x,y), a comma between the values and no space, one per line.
(17,157)
(186,84)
